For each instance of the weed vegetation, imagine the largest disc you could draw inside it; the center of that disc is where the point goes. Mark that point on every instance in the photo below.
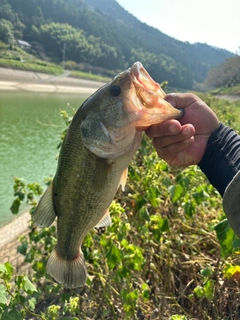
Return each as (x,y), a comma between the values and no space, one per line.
(20,59)
(89,76)
(235,90)
(169,254)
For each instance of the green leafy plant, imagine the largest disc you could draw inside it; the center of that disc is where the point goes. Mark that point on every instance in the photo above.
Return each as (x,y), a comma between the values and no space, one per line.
(16,292)
(207,288)
(169,253)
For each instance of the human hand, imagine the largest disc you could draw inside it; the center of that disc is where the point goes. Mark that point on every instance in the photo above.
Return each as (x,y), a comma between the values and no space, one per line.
(183,142)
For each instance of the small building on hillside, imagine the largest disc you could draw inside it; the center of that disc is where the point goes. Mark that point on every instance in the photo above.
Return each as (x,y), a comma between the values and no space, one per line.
(23,45)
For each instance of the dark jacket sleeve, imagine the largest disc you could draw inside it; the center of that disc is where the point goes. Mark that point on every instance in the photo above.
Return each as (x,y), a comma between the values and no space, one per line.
(221,160)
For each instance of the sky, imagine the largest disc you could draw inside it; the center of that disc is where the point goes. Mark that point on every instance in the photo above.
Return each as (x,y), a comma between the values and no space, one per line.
(215,22)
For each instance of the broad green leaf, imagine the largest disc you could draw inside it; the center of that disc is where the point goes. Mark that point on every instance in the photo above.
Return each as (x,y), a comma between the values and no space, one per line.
(3,268)
(3,294)
(15,206)
(13,315)
(199,291)
(236,243)
(32,303)
(114,256)
(6,270)
(206,272)
(221,228)
(226,236)
(175,192)
(144,214)
(20,195)
(28,286)
(188,208)
(9,268)
(22,248)
(153,193)
(133,295)
(208,287)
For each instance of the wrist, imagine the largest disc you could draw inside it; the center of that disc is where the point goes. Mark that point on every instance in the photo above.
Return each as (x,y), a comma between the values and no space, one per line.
(221,159)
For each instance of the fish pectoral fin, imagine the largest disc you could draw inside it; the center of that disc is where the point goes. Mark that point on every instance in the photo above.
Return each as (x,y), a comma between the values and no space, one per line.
(123,179)
(45,214)
(105,221)
(71,272)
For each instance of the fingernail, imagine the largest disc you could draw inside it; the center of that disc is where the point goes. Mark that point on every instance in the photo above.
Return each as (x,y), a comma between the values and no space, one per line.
(189,140)
(186,132)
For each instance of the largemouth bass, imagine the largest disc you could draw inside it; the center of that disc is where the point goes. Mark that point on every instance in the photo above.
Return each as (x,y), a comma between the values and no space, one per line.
(99,144)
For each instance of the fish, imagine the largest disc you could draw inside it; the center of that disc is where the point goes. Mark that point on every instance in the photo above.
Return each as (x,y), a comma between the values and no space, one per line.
(93,162)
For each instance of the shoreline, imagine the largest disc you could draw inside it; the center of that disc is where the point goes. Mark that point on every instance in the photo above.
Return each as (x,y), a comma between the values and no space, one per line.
(10,240)
(10,231)
(30,81)
(19,80)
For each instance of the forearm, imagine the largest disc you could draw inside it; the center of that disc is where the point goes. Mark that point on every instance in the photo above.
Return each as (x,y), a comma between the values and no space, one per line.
(221,160)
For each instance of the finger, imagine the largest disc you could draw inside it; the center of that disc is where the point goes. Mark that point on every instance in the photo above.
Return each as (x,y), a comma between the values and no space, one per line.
(169,127)
(186,132)
(181,100)
(171,151)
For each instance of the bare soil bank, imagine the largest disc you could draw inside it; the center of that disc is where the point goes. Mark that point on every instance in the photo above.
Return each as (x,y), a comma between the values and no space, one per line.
(11,79)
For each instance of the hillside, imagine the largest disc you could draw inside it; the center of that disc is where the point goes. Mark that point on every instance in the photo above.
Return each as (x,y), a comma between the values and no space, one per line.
(102,33)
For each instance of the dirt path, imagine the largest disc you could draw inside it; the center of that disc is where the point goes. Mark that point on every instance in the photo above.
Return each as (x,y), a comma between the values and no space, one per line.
(11,79)
(228,97)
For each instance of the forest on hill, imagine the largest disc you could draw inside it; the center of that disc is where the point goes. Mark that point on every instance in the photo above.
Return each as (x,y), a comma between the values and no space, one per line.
(102,34)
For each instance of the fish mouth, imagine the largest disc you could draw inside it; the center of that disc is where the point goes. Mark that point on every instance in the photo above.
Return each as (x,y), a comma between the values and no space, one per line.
(150,96)
(147,90)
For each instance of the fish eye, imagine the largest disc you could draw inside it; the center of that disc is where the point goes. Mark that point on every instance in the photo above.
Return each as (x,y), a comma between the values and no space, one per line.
(115,91)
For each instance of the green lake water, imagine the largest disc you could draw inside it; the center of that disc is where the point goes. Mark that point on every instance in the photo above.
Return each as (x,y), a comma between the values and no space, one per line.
(30,129)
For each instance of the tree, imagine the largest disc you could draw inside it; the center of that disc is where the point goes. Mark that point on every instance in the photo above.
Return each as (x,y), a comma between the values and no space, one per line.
(38,18)
(19,28)
(6,12)
(227,74)
(54,35)
(6,31)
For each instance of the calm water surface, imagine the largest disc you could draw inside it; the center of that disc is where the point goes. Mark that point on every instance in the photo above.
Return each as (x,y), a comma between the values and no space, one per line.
(30,128)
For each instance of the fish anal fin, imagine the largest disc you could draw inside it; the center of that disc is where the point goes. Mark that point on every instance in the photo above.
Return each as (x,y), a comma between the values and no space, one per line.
(105,221)
(45,214)
(71,272)
(123,179)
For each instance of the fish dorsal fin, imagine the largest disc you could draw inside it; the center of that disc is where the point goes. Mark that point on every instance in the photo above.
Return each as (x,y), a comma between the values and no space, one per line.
(123,179)
(45,214)
(105,221)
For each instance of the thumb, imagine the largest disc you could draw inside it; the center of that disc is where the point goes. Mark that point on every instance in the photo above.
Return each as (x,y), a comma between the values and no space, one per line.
(170,98)
(181,100)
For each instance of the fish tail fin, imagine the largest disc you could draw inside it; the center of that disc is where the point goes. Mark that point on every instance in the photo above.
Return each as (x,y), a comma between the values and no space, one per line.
(71,272)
